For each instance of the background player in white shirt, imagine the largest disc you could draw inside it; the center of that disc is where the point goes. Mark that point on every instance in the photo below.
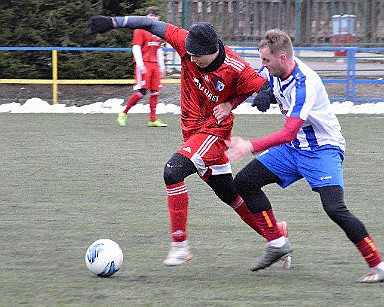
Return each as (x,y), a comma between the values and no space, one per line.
(309,146)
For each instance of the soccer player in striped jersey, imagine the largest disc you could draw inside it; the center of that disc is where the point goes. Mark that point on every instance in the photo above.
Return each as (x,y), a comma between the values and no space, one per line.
(309,146)
(214,80)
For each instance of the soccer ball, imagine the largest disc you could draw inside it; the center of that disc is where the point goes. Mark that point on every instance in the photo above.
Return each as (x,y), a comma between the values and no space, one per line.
(104,257)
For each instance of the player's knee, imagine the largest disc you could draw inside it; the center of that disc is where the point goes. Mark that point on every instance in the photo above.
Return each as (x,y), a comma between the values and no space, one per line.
(223,187)
(177,169)
(170,175)
(332,198)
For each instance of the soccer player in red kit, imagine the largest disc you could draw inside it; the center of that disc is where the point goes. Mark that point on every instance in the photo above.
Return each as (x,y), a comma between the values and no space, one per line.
(149,69)
(214,80)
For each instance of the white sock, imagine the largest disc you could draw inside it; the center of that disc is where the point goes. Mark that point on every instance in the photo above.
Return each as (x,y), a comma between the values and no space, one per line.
(380,266)
(278,242)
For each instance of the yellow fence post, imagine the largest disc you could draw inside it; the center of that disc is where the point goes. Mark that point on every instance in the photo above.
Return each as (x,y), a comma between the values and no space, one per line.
(54,77)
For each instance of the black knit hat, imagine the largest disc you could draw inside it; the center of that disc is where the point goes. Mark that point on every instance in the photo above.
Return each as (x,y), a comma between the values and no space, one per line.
(202,39)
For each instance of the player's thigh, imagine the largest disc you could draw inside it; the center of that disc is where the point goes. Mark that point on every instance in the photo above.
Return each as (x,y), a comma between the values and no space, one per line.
(154,82)
(281,160)
(322,167)
(207,152)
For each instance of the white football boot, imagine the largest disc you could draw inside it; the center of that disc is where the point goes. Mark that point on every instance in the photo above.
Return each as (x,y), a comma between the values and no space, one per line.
(179,253)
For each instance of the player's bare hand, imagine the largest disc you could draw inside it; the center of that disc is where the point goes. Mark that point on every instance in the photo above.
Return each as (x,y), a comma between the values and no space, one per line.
(238,148)
(142,69)
(221,111)
(163,73)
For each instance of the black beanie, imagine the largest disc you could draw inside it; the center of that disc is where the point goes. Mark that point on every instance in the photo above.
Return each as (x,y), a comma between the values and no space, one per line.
(202,39)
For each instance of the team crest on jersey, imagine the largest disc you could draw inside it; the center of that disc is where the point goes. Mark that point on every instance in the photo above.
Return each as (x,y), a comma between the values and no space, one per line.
(219,86)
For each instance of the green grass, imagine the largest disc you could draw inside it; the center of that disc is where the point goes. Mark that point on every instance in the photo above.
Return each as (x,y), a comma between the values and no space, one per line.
(69,179)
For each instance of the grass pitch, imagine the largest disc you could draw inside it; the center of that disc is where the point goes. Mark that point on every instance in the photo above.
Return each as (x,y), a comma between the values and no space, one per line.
(69,179)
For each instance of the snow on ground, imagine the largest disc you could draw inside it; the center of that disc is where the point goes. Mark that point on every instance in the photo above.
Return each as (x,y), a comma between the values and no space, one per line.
(37,105)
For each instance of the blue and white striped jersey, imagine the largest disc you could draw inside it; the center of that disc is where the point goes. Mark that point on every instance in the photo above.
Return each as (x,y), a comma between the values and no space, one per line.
(303,95)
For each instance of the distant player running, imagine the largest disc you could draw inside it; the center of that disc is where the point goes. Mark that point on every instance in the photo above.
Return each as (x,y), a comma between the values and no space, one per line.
(214,80)
(149,69)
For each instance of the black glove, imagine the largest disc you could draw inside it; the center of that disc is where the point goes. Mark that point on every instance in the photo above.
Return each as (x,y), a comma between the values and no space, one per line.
(264,98)
(99,24)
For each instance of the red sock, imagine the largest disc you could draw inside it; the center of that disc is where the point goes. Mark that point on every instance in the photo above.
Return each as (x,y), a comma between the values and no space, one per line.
(242,210)
(369,251)
(153,98)
(178,210)
(132,101)
(266,221)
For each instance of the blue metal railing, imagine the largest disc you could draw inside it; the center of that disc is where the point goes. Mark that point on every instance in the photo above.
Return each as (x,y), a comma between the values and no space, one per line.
(308,22)
(351,75)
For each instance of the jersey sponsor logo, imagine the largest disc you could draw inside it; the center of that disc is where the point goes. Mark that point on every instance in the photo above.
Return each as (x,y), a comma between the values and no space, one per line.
(219,86)
(206,91)
(154,44)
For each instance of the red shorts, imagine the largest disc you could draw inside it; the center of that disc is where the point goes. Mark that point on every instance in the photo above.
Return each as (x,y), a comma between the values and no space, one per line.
(207,152)
(149,81)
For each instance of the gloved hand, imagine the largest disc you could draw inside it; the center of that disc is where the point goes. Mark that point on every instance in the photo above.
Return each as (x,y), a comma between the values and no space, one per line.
(264,98)
(99,24)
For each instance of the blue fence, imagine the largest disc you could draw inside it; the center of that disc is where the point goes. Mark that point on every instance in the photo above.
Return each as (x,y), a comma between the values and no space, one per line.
(357,75)
(308,22)
(358,70)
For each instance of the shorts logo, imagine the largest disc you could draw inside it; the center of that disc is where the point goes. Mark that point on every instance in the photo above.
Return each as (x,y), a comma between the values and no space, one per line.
(188,149)
(325,177)
(219,86)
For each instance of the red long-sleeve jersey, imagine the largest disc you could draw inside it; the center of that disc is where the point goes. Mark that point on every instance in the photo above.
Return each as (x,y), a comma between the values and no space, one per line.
(202,91)
(149,44)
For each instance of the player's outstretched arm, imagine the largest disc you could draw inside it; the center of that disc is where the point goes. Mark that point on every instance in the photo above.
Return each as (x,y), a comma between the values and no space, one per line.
(238,148)
(102,24)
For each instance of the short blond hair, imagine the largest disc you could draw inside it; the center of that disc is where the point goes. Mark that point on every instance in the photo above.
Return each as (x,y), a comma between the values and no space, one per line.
(278,42)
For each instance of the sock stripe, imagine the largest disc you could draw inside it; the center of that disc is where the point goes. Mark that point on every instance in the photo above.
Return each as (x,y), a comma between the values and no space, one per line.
(369,241)
(369,251)
(267,219)
(177,190)
(369,256)
(237,203)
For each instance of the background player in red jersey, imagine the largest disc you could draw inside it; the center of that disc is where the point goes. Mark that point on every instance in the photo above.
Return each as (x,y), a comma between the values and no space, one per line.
(214,80)
(149,69)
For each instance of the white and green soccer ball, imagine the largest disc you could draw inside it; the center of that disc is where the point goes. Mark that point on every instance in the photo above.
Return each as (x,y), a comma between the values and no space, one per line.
(104,257)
